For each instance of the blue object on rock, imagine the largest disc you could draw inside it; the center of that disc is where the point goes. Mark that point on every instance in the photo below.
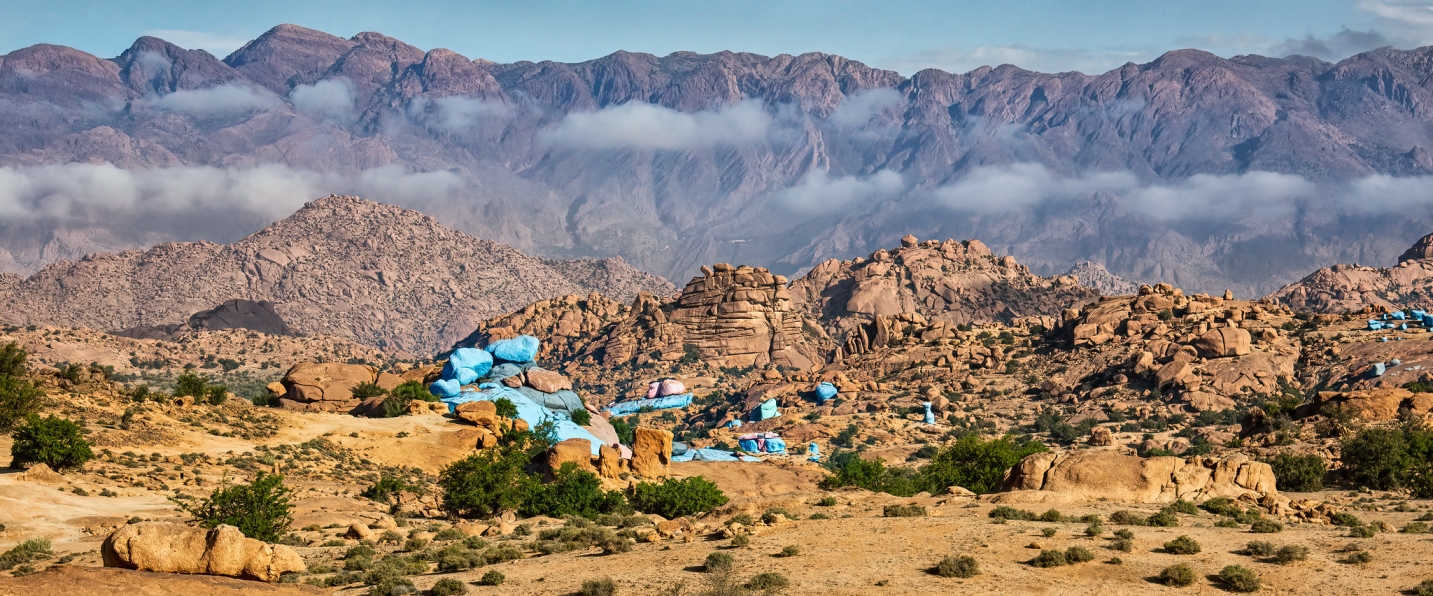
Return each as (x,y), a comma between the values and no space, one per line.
(445,388)
(813,452)
(522,348)
(709,454)
(656,403)
(472,359)
(824,393)
(733,424)
(678,448)
(775,445)
(1374,325)
(529,411)
(1379,368)
(929,415)
(503,371)
(748,445)
(1398,314)
(1395,362)
(766,411)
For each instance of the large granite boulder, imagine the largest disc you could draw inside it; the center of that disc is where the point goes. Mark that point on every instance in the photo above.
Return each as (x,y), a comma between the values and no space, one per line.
(176,548)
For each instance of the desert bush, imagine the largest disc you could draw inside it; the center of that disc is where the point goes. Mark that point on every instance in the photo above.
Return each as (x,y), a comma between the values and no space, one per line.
(190,385)
(1291,553)
(1049,558)
(1078,554)
(850,469)
(1123,545)
(769,582)
(1298,473)
(414,545)
(904,511)
(29,551)
(1182,545)
(962,567)
(1266,526)
(1128,518)
(386,488)
(12,360)
(501,554)
(492,578)
(1358,557)
(393,586)
(1259,548)
(1238,578)
(1052,515)
(449,587)
(1124,533)
(53,441)
(975,464)
(598,587)
(1011,513)
(19,399)
(740,541)
(261,509)
(1222,506)
(574,492)
(364,391)
(1164,519)
(719,561)
(674,498)
(1415,528)
(827,502)
(450,534)
(1047,532)
(505,407)
(1345,519)
(1178,575)
(486,482)
(1183,506)
(790,550)
(411,390)
(1362,532)
(1391,459)
(1094,530)
(581,418)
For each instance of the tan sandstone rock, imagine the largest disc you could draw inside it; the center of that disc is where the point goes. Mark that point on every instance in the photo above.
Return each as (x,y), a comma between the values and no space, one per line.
(176,548)
(547,381)
(1222,342)
(576,451)
(1107,475)
(651,452)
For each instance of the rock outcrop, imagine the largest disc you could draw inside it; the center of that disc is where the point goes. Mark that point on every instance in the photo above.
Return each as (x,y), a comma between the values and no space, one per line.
(1094,275)
(176,548)
(1102,475)
(233,314)
(328,387)
(325,271)
(651,451)
(1353,288)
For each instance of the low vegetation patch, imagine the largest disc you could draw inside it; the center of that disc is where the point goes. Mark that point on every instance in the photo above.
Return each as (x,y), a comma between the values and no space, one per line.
(261,510)
(53,441)
(1182,545)
(673,498)
(1178,575)
(1238,578)
(962,567)
(971,462)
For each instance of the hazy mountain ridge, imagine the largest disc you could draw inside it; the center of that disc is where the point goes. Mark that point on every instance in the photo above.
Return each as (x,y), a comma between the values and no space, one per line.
(784,160)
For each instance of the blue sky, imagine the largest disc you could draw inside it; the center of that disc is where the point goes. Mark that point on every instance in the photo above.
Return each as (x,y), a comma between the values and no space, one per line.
(905,35)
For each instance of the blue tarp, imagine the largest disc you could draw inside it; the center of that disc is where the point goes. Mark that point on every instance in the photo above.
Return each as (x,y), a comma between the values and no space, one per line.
(528,410)
(813,452)
(776,445)
(1398,314)
(656,403)
(824,393)
(765,411)
(522,348)
(748,445)
(476,360)
(733,424)
(709,454)
(929,415)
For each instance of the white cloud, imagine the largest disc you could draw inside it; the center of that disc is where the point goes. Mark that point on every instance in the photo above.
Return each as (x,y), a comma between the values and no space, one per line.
(637,125)
(859,108)
(101,192)
(329,99)
(223,100)
(218,44)
(993,189)
(1408,12)
(1338,46)
(457,112)
(818,192)
(962,60)
(1226,196)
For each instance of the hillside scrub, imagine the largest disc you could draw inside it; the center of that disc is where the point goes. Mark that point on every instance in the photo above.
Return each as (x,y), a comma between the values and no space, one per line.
(53,441)
(971,462)
(674,498)
(261,510)
(1391,459)
(19,398)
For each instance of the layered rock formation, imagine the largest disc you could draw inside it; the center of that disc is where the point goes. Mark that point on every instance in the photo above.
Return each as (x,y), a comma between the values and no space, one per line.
(1095,276)
(234,314)
(176,548)
(378,274)
(328,387)
(951,283)
(1350,288)
(1100,475)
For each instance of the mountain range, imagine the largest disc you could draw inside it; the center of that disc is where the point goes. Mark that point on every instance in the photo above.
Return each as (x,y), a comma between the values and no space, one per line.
(1206,172)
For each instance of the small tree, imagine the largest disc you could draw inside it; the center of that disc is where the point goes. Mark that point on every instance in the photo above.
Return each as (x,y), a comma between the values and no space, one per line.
(261,510)
(53,441)
(574,492)
(487,482)
(674,498)
(1299,473)
(976,464)
(216,394)
(410,391)
(19,398)
(190,385)
(363,391)
(12,360)
(505,407)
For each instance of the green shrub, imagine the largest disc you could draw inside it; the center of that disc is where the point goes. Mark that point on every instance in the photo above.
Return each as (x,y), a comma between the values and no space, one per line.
(850,469)
(1047,532)
(1078,554)
(975,464)
(1424,588)
(1011,513)
(386,489)
(1289,554)
(19,399)
(505,407)
(261,509)
(1345,519)
(393,586)
(1358,557)
(1362,532)
(1226,523)
(191,385)
(449,534)
(1183,506)
(1164,519)
(790,550)
(411,391)
(216,395)
(827,502)
(1182,545)
(449,587)
(598,587)
(1222,506)
(501,554)
(364,391)
(1415,528)
(1178,575)
(962,567)
(393,408)
(1299,473)
(719,561)
(492,578)
(1259,548)
(1391,459)
(53,441)
(1052,516)
(489,481)
(1094,530)
(1049,558)
(29,551)
(582,418)
(674,498)
(911,510)
(1128,518)
(1266,526)
(740,541)
(1124,533)
(1238,578)
(574,492)
(624,430)
(1122,544)
(12,360)
(769,582)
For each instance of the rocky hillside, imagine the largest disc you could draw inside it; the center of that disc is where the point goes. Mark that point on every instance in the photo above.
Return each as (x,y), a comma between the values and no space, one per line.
(342,266)
(1353,287)
(1094,275)
(782,160)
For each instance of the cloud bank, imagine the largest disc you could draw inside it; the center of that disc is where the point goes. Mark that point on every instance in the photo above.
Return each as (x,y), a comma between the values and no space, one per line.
(638,125)
(818,192)
(860,108)
(329,99)
(223,100)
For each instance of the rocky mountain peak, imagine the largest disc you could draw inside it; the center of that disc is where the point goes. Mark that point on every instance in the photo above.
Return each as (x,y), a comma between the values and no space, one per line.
(1422,249)
(1094,275)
